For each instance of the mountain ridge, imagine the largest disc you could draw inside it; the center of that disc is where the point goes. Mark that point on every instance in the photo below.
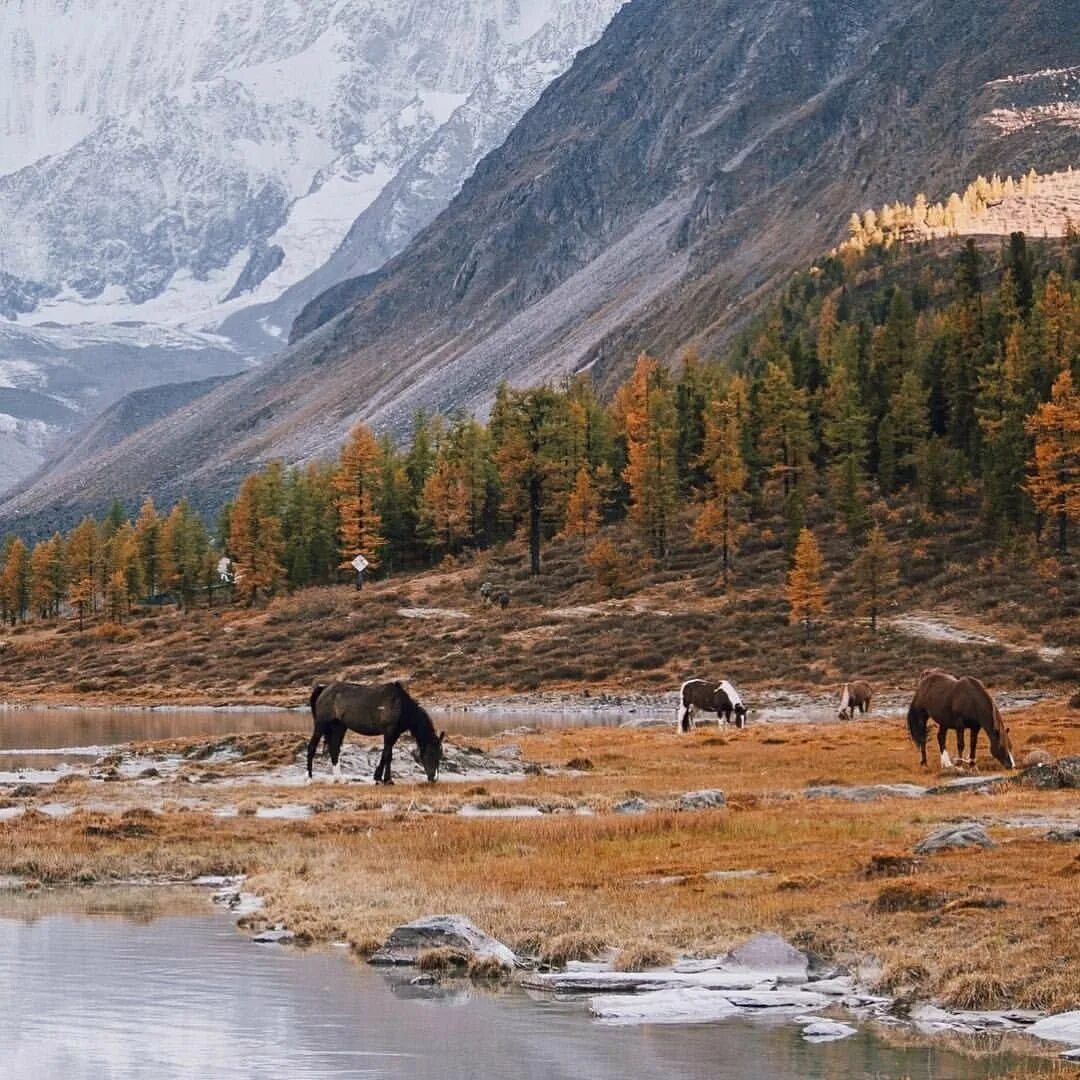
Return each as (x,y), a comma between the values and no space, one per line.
(684,163)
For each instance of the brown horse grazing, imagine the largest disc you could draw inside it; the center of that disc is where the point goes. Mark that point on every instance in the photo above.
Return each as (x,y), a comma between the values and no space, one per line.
(384,709)
(721,698)
(855,695)
(959,705)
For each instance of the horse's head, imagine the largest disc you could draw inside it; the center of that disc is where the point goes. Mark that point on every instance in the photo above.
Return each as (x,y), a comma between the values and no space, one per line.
(740,714)
(1000,745)
(430,757)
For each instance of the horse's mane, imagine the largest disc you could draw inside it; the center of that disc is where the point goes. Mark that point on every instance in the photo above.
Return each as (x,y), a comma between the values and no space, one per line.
(416,717)
(732,693)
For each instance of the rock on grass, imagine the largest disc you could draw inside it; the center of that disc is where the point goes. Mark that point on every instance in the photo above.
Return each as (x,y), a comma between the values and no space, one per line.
(968,834)
(443,934)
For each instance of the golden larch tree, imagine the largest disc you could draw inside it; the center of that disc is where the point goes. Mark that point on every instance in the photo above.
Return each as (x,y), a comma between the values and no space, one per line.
(1054,477)
(356,485)
(646,407)
(805,583)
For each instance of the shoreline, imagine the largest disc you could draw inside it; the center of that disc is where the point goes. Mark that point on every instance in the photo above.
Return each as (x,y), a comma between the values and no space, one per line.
(559,839)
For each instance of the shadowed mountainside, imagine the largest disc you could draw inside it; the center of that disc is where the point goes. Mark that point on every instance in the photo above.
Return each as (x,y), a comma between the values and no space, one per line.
(689,160)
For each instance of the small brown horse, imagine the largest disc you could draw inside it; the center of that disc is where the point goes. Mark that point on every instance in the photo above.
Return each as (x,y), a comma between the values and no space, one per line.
(855,695)
(721,698)
(958,705)
(385,709)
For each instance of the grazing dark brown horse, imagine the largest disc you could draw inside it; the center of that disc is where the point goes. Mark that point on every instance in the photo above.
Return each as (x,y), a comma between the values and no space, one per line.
(855,695)
(721,698)
(384,709)
(958,705)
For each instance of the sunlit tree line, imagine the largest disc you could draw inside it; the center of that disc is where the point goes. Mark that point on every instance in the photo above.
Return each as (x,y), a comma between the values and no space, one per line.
(876,375)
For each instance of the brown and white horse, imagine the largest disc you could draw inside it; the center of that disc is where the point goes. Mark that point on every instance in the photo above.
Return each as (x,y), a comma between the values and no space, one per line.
(721,698)
(958,705)
(855,695)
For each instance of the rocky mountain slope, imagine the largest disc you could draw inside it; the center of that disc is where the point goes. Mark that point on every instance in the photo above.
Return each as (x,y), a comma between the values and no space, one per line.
(195,164)
(695,154)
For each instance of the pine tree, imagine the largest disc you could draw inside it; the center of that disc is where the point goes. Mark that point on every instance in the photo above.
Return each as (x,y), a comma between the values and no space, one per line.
(148,537)
(531,433)
(184,546)
(726,467)
(1054,480)
(876,573)
(784,442)
(845,434)
(805,587)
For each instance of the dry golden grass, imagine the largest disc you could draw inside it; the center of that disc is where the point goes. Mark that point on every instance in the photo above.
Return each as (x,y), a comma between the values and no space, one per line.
(1004,924)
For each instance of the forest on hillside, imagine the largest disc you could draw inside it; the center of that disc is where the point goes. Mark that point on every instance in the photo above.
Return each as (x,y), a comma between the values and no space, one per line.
(941,376)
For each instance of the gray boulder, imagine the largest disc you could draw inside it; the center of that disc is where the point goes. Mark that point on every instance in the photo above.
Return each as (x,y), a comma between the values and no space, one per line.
(709,799)
(1064,773)
(631,806)
(455,932)
(965,835)
(771,953)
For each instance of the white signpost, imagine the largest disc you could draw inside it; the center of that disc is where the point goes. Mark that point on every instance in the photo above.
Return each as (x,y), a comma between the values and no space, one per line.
(360,564)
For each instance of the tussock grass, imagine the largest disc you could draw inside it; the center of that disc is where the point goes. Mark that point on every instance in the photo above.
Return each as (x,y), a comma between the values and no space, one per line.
(642,957)
(577,946)
(908,896)
(442,960)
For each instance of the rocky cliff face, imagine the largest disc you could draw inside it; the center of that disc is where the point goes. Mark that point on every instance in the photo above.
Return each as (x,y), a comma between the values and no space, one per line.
(163,148)
(692,156)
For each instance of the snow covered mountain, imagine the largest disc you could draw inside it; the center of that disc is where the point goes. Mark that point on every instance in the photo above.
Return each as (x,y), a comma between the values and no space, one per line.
(197,164)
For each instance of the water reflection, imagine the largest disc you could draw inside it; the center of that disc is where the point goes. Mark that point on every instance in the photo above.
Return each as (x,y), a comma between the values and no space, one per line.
(97,987)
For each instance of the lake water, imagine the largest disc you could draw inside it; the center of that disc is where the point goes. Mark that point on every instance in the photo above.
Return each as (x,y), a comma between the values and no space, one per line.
(128,984)
(70,735)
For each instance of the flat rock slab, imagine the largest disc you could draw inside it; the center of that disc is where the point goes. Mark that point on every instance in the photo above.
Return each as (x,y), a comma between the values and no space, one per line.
(770,952)
(972,785)
(632,982)
(689,1006)
(866,793)
(454,932)
(1064,1028)
(632,806)
(967,835)
(827,1031)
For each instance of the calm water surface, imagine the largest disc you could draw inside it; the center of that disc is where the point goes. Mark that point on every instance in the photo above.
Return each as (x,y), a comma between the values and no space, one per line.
(52,729)
(118,986)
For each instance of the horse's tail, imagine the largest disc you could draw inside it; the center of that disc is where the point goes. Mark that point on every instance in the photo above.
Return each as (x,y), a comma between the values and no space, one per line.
(318,732)
(916,722)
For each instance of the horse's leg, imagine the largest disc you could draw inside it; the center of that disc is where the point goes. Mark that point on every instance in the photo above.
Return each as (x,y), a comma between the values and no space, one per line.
(384,762)
(946,761)
(313,745)
(334,740)
(960,744)
(974,739)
